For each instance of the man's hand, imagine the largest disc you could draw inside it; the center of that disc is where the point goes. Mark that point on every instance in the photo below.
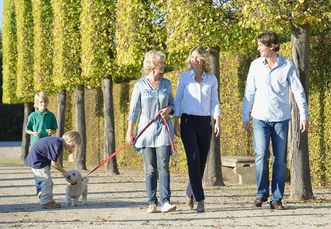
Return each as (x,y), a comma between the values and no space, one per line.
(247,127)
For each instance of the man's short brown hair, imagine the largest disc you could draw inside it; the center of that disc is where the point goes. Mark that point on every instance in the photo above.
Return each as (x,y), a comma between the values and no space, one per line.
(269,39)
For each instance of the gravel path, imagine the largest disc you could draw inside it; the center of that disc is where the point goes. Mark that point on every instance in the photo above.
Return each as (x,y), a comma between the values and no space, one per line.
(120,202)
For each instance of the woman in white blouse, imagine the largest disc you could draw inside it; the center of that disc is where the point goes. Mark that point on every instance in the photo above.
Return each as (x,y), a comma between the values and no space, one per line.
(196,101)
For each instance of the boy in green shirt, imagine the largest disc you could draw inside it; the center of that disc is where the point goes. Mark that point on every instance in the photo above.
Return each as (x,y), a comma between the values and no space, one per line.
(41,123)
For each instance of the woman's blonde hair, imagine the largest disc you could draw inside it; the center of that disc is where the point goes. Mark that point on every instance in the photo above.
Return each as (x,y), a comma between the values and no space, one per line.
(204,55)
(152,58)
(40,96)
(73,138)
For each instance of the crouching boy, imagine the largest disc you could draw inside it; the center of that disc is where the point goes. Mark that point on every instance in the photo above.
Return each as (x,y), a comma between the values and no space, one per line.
(45,152)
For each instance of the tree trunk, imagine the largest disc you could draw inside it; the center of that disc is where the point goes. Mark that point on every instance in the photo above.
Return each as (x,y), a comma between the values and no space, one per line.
(81,127)
(300,172)
(26,137)
(213,172)
(61,110)
(109,126)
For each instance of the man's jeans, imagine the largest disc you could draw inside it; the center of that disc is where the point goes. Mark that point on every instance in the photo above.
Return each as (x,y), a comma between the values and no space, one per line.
(157,165)
(278,132)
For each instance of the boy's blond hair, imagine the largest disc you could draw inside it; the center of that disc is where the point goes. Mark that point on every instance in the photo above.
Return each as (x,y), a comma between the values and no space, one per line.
(38,96)
(72,138)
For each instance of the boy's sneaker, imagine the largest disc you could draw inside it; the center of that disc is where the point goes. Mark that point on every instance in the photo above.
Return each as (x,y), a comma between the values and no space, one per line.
(167,207)
(51,205)
(151,208)
(39,195)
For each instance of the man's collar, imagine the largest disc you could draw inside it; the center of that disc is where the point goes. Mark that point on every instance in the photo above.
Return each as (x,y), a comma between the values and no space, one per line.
(280,60)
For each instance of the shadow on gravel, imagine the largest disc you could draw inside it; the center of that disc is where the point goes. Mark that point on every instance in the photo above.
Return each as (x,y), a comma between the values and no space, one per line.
(33,207)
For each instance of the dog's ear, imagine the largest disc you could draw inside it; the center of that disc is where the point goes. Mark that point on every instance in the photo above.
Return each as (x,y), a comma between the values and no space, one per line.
(85,179)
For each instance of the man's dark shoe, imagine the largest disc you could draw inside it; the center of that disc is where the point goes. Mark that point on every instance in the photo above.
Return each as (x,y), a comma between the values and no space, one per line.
(276,205)
(259,201)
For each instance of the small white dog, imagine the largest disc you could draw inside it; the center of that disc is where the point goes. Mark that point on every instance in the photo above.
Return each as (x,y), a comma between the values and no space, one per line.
(77,187)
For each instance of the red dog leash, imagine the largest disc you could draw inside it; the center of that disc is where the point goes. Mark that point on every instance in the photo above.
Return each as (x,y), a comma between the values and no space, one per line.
(135,138)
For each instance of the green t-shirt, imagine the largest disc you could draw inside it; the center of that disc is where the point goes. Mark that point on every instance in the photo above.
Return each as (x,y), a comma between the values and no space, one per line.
(40,122)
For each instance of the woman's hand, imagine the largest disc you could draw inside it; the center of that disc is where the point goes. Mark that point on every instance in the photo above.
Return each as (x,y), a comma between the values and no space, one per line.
(177,127)
(217,127)
(165,112)
(129,137)
(36,133)
(129,133)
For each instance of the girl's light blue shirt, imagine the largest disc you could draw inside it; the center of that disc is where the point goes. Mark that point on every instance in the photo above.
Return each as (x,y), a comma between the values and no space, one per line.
(147,101)
(196,98)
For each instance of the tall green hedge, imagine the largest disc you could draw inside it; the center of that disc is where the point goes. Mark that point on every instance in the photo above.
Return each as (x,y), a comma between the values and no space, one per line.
(43,46)
(320,110)
(139,28)
(25,90)
(67,47)
(9,53)
(98,40)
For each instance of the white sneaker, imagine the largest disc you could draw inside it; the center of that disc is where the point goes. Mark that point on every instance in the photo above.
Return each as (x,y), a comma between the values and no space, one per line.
(151,208)
(167,207)
(39,195)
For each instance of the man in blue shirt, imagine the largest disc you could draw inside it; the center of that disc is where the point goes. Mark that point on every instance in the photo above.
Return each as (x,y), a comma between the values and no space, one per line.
(267,98)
